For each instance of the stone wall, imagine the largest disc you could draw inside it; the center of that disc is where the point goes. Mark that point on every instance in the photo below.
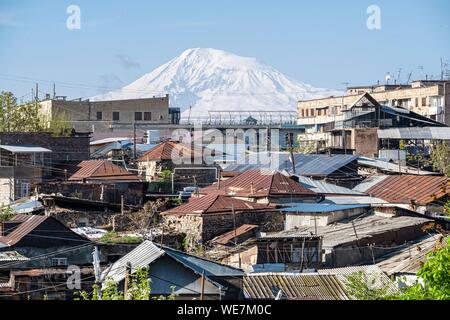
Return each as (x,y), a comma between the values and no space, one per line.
(202,228)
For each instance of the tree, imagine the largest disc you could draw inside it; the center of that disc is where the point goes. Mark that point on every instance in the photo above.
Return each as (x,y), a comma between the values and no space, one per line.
(434,283)
(363,286)
(28,117)
(440,157)
(139,289)
(6,214)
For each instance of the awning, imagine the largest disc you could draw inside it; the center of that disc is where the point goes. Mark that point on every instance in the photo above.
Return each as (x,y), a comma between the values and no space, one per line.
(24,149)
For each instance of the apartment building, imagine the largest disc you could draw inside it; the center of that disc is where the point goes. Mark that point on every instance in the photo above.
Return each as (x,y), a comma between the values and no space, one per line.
(429,98)
(349,123)
(90,116)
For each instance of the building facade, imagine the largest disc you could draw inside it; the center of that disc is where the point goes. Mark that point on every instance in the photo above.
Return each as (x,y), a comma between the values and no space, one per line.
(91,116)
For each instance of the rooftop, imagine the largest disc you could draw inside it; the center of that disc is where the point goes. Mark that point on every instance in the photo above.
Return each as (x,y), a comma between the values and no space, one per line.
(259,183)
(230,236)
(407,188)
(321,207)
(322,187)
(215,203)
(167,151)
(101,170)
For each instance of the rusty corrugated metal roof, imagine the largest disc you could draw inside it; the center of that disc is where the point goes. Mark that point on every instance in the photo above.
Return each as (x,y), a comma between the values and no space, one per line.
(405,188)
(166,150)
(294,286)
(215,203)
(259,183)
(101,170)
(230,235)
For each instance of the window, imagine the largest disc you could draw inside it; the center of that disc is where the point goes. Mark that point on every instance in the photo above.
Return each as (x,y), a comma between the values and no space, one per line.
(147,116)
(161,117)
(303,113)
(24,189)
(424,102)
(138,116)
(59,262)
(312,112)
(99,115)
(116,116)
(319,112)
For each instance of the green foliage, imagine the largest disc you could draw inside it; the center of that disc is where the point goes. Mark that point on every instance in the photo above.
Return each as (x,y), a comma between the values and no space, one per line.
(139,289)
(6,214)
(434,275)
(113,237)
(27,117)
(440,158)
(363,286)
(166,175)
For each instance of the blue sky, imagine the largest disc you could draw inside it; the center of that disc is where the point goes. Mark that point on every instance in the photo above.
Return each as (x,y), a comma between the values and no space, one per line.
(324,43)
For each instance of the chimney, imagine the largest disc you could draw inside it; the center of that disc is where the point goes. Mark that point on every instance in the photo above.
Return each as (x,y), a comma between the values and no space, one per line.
(251,188)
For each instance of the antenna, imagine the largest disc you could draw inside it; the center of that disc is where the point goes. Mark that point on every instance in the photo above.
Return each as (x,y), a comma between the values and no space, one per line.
(421,72)
(399,72)
(409,78)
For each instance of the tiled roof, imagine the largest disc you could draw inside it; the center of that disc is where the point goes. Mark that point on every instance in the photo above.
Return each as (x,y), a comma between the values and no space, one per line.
(166,150)
(215,203)
(404,189)
(101,170)
(293,286)
(259,183)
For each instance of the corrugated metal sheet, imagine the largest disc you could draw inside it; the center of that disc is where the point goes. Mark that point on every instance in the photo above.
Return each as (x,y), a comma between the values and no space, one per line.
(293,286)
(101,170)
(23,229)
(321,207)
(108,140)
(147,252)
(24,149)
(318,165)
(369,183)
(411,258)
(391,167)
(141,256)
(215,203)
(427,133)
(326,188)
(227,237)
(354,200)
(259,183)
(199,264)
(406,188)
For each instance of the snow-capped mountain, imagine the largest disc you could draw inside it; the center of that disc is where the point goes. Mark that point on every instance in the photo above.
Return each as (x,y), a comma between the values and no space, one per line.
(215,80)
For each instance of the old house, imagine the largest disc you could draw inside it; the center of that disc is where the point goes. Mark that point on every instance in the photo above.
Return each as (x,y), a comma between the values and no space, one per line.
(20,168)
(363,239)
(101,170)
(204,218)
(424,194)
(46,237)
(175,272)
(263,187)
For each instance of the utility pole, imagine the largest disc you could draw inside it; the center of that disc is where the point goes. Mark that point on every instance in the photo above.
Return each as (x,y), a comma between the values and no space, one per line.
(122,205)
(127,280)
(235,232)
(54,90)
(37,92)
(291,150)
(203,286)
(134,141)
(97,270)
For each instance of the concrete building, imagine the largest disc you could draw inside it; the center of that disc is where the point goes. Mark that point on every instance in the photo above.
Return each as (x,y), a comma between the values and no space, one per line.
(349,124)
(429,98)
(91,116)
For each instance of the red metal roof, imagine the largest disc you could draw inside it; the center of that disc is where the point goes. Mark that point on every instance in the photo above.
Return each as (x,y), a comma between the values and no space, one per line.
(27,226)
(23,229)
(166,150)
(259,183)
(215,203)
(228,236)
(101,170)
(405,188)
